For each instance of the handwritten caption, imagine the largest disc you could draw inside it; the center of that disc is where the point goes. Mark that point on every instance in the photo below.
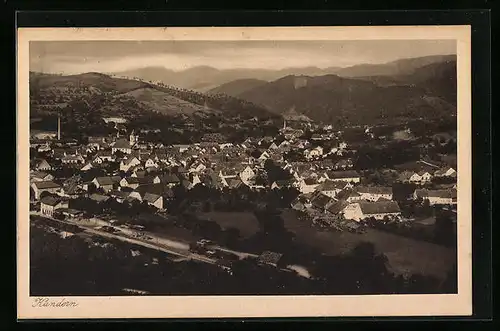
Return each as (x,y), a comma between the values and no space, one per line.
(53,303)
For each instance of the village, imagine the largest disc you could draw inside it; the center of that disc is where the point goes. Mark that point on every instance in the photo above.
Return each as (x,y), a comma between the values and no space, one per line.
(312,171)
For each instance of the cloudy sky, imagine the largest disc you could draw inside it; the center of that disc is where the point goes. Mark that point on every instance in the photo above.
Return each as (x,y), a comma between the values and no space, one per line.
(72,57)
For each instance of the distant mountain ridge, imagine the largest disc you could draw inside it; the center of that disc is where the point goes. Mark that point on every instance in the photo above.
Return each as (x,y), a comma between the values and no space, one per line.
(393,68)
(237,87)
(205,78)
(341,100)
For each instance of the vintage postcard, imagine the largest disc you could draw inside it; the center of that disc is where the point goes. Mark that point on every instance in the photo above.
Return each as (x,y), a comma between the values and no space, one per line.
(244,172)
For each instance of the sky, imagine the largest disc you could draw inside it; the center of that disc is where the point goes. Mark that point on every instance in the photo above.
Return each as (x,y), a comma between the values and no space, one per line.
(73,57)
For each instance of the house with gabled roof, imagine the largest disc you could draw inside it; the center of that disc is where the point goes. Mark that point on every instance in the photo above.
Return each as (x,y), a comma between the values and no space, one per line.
(437,197)
(45,186)
(409,177)
(321,202)
(119,196)
(49,204)
(42,165)
(121,145)
(246,174)
(374,193)
(40,176)
(138,171)
(134,182)
(378,210)
(153,194)
(129,162)
(308,185)
(154,200)
(105,156)
(169,180)
(97,142)
(446,172)
(337,207)
(106,183)
(99,198)
(349,195)
(332,188)
(150,162)
(313,152)
(279,184)
(197,166)
(344,164)
(232,183)
(72,159)
(347,176)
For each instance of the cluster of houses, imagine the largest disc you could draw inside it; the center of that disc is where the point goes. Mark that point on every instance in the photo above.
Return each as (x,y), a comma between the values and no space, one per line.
(147,172)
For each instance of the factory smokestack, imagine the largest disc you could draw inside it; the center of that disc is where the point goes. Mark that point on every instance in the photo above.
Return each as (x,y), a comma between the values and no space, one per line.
(58,127)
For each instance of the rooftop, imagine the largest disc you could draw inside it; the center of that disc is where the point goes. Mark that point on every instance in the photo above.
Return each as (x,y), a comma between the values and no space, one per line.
(379,207)
(46,185)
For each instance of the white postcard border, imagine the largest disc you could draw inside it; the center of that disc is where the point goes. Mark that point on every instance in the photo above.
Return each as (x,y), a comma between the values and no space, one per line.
(251,306)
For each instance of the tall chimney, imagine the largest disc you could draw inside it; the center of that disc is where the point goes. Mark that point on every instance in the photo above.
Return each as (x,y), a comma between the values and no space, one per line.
(59,127)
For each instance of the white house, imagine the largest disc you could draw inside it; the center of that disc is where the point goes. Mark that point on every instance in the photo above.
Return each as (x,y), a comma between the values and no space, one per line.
(314,152)
(104,156)
(446,172)
(437,197)
(246,174)
(264,156)
(308,185)
(153,200)
(346,176)
(170,180)
(43,165)
(425,177)
(40,176)
(273,146)
(50,204)
(125,146)
(106,183)
(421,177)
(374,193)
(45,186)
(150,163)
(332,188)
(134,182)
(361,210)
(197,166)
(128,163)
(72,159)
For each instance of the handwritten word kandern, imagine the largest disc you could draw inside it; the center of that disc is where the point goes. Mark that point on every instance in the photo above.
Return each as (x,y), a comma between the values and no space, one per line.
(50,303)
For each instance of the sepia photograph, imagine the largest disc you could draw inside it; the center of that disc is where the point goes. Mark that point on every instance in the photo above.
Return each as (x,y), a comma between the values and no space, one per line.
(197,167)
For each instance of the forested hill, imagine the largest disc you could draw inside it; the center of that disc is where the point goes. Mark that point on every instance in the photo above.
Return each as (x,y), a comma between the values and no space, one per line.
(429,92)
(111,96)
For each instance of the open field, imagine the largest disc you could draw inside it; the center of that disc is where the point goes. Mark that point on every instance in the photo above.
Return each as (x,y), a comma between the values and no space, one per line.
(405,255)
